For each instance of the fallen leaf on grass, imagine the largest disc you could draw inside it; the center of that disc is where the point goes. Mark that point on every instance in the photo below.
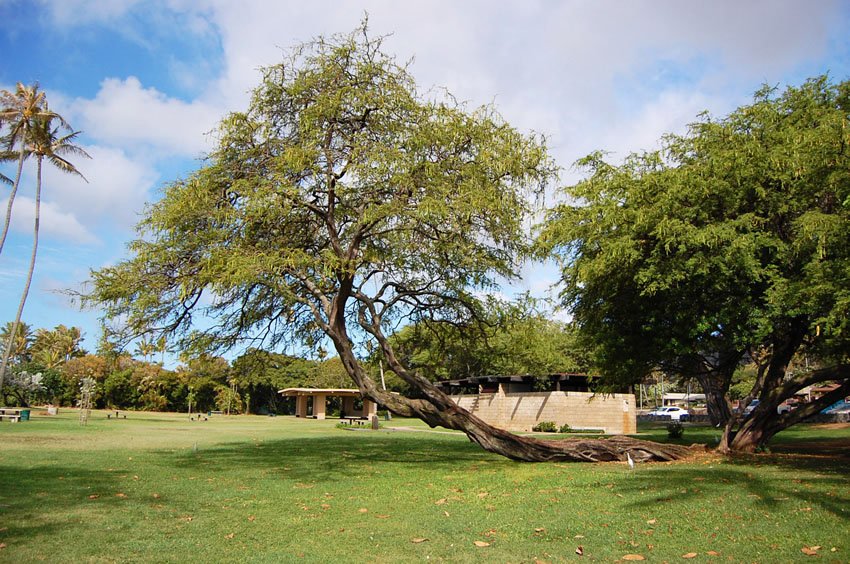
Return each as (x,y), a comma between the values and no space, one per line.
(446,513)
(187,518)
(418,540)
(810,550)
(382,516)
(122,495)
(652,521)
(2,545)
(633,557)
(539,530)
(482,495)
(156,496)
(481,544)
(805,509)
(713,553)
(578,537)
(580,551)
(690,555)
(94,496)
(230,536)
(251,518)
(441,501)
(362,510)
(325,506)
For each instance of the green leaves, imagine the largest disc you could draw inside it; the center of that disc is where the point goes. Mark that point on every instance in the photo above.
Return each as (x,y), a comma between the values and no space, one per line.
(340,187)
(716,240)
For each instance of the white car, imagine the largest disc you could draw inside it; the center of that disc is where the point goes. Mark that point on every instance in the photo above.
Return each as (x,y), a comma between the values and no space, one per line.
(673,412)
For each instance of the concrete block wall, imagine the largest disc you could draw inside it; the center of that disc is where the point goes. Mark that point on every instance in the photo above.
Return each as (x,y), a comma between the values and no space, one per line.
(614,414)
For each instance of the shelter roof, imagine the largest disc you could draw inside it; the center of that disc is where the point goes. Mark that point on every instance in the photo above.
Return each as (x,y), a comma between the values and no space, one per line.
(341,392)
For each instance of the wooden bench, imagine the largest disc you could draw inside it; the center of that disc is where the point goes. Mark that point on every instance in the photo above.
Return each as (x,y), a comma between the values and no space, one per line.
(12,418)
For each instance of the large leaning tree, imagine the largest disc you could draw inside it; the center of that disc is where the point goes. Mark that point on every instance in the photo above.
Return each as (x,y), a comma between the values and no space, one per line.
(342,205)
(729,245)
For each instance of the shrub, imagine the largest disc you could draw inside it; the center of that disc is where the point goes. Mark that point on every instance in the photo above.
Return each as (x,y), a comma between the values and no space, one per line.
(545,427)
(675,430)
(565,428)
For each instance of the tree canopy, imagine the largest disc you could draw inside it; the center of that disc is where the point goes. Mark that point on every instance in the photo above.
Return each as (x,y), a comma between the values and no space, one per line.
(732,242)
(342,203)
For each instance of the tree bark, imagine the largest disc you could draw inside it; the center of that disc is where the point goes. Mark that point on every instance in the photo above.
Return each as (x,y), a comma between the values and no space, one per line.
(715,386)
(438,409)
(8,350)
(764,422)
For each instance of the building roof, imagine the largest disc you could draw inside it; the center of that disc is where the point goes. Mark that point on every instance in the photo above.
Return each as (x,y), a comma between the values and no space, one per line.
(342,392)
(565,376)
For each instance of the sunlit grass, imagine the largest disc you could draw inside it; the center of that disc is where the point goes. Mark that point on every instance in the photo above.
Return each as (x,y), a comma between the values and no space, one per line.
(159,487)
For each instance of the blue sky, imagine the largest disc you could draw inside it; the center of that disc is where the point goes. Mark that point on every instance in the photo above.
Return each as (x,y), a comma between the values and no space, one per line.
(146,80)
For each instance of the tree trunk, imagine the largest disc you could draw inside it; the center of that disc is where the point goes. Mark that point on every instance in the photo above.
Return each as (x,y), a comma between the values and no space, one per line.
(438,409)
(715,387)
(7,353)
(14,191)
(754,433)
(764,422)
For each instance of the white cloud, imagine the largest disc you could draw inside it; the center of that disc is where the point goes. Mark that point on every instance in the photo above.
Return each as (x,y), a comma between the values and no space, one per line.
(124,113)
(117,189)
(53,222)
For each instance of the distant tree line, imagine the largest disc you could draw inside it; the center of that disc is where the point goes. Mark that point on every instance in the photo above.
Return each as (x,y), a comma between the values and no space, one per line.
(47,365)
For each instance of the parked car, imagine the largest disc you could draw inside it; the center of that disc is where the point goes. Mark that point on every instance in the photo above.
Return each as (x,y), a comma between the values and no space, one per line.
(673,412)
(842,406)
(784,407)
(749,409)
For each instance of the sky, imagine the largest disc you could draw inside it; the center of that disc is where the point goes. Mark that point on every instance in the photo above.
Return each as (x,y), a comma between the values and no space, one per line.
(146,81)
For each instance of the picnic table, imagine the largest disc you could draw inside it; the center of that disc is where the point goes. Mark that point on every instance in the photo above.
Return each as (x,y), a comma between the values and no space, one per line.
(14,414)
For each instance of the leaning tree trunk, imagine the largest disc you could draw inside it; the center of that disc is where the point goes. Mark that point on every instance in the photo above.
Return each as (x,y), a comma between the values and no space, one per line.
(764,423)
(14,191)
(8,352)
(437,409)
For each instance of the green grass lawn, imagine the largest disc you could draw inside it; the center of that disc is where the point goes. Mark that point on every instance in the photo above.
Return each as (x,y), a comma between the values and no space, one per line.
(161,488)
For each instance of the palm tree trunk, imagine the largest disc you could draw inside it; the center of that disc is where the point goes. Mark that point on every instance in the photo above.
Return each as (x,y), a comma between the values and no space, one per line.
(12,200)
(8,352)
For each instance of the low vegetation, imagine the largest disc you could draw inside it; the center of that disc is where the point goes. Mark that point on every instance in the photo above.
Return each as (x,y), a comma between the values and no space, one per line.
(156,487)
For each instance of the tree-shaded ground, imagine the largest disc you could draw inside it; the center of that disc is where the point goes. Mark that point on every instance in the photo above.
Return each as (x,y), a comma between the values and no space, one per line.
(157,487)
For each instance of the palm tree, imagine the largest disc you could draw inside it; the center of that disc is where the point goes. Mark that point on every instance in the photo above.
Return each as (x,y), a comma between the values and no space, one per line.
(21,112)
(22,339)
(44,142)
(145,348)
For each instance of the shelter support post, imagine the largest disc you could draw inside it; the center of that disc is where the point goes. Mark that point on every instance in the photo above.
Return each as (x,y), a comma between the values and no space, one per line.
(370,408)
(300,406)
(319,406)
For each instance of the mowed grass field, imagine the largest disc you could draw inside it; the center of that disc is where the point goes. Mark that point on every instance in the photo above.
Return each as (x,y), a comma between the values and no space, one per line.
(162,488)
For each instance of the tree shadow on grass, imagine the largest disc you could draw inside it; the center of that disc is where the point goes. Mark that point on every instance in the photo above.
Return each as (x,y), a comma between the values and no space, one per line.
(771,482)
(330,459)
(49,500)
